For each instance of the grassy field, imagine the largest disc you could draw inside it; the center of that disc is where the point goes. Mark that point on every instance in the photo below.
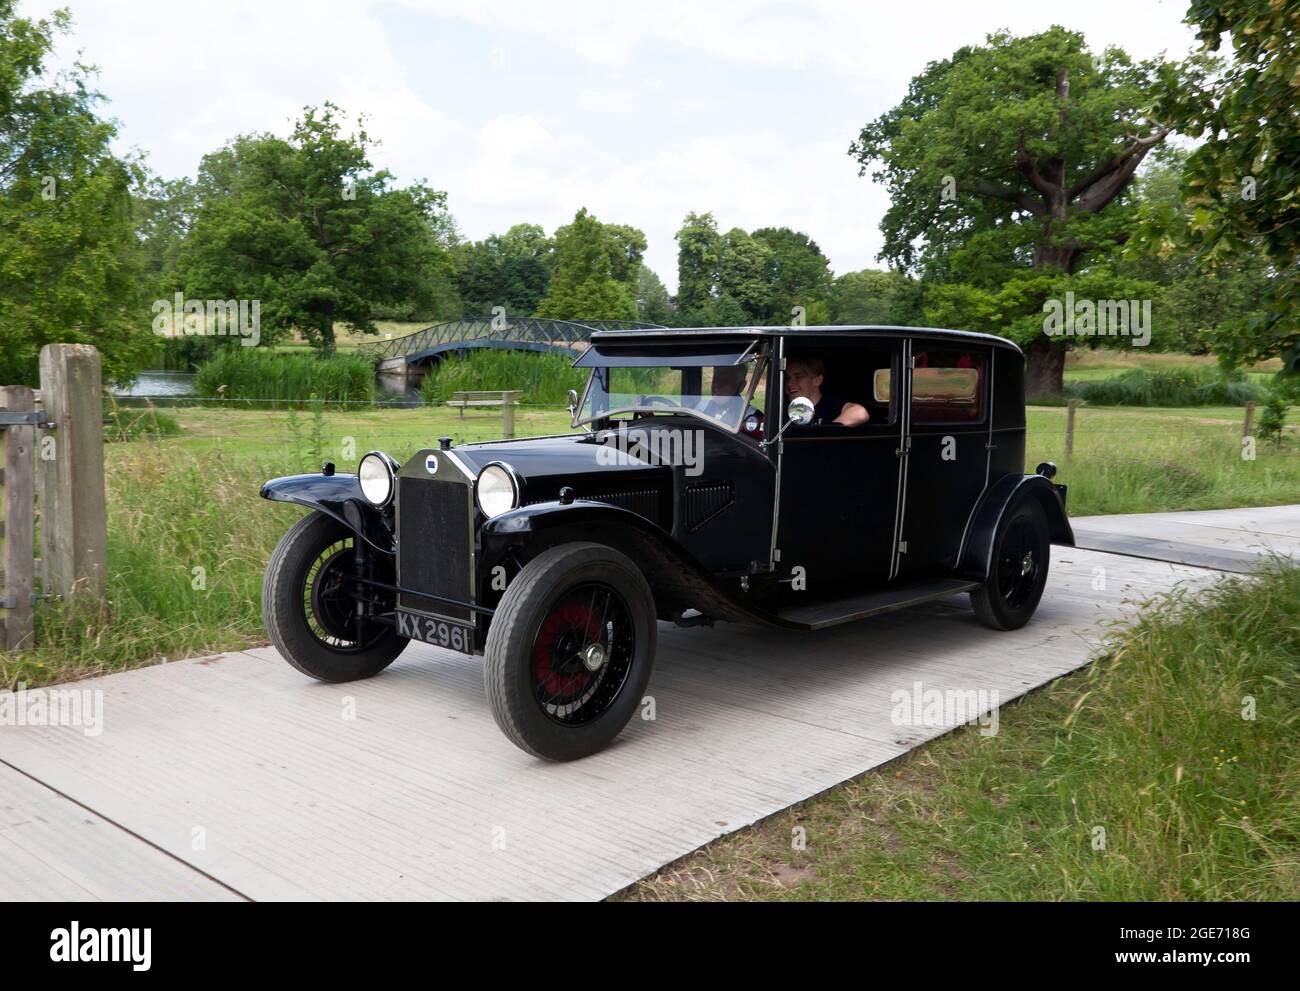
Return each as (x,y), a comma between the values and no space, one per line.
(1150,745)
(177,504)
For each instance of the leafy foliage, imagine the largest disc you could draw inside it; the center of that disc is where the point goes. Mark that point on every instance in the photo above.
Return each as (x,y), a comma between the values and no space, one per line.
(595,271)
(1242,185)
(1002,160)
(68,268)
(308,227)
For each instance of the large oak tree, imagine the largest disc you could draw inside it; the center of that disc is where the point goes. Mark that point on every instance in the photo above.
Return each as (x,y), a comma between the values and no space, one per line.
(1024,141)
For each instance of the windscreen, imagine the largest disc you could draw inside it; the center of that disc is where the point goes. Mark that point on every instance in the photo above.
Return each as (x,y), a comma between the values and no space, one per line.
(721,393)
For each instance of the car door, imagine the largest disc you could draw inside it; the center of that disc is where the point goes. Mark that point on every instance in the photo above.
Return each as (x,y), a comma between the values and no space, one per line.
(948,444)
(838,494)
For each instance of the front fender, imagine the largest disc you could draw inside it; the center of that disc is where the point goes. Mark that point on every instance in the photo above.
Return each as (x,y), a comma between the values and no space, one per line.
(338,496)
(975,559)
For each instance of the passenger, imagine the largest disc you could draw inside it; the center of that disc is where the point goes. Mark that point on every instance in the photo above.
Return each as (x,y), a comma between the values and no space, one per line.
(804,376)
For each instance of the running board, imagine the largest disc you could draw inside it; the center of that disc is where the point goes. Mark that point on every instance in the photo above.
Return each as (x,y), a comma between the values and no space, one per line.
(822,614)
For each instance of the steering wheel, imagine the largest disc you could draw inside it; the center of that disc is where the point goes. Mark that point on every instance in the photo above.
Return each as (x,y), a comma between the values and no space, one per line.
(652,400)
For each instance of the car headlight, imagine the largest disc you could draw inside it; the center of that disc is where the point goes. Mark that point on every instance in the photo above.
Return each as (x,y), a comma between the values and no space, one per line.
(375,473)
(497,489)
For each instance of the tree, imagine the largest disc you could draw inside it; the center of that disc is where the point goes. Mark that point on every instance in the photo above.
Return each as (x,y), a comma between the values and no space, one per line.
(744,274)
(1201,302)
(699,252)
(871,297)
(1025,140)
(511,270)
(652,300)
(1242,184)
(307,226)
(798,275)
(583,286)
(68,255)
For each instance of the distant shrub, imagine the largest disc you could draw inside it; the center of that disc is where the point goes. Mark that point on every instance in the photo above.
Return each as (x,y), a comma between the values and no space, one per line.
(252,374)
(1169,387)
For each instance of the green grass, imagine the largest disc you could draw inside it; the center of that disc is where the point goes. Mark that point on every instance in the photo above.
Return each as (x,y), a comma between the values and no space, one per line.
(261,376)
(1149,745)
(176,503)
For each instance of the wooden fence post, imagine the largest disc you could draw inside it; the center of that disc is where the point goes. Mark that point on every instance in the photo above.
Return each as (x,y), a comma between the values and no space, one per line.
(1070,407)
(1248,422)
(508,414)
(74,528)
(17,519)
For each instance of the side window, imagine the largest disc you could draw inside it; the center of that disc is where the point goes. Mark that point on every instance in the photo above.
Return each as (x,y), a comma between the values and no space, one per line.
(948,386)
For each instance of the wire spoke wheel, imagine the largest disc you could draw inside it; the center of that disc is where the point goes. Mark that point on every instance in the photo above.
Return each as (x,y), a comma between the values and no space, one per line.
(569,651)
(332,600)
(321,617)
(582,654)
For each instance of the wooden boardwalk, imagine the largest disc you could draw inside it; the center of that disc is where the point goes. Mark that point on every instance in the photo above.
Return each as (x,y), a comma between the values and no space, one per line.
(233,776)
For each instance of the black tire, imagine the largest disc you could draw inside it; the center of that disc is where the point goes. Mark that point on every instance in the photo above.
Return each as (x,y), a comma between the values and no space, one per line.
(544,699)
(1021,555)
(304,606)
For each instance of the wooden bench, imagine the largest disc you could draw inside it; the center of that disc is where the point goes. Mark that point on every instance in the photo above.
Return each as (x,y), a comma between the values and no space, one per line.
(507,399)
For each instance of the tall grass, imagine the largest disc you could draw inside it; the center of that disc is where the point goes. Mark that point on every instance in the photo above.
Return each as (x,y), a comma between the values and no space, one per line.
(1169,387)
(252,374)
(541,378)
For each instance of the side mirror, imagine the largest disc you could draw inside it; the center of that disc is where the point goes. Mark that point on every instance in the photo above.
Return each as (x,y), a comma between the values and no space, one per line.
(573,400)
(800,411)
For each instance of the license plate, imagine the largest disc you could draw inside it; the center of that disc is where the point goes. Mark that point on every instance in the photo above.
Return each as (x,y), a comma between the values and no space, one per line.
(439,632)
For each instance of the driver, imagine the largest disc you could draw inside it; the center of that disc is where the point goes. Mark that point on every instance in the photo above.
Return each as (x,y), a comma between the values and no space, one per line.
(804,376)
(728,391)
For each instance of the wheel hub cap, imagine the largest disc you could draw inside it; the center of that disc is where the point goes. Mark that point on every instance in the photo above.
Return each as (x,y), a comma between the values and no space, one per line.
(593,657)
(1027,563)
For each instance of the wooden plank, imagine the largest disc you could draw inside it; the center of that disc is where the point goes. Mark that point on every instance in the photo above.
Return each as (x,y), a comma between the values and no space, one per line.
(18,519)
(52,849)
(73,515)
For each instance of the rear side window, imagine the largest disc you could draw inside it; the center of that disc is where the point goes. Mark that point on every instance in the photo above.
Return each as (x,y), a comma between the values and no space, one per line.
(948,387)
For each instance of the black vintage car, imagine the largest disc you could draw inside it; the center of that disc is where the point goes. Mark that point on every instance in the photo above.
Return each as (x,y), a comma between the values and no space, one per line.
(797,477)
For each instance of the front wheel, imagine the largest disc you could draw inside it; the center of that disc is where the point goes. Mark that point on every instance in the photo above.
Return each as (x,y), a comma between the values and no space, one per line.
(1021,552)
(312,605)
(569,652)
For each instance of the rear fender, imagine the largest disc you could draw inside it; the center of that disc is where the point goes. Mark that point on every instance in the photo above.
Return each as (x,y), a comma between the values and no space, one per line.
(976,554)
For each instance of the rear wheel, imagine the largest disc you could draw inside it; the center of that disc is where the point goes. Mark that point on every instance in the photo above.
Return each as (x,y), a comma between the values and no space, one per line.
(1021,552)
(310,603)
(569,652)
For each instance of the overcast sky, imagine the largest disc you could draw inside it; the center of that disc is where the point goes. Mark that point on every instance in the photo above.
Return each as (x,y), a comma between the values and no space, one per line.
(526,111)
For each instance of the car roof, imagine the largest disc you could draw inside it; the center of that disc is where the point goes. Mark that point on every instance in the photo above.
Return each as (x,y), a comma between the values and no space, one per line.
(799,333)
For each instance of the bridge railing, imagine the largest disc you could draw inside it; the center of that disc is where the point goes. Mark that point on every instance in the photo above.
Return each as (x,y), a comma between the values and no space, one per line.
(524,329)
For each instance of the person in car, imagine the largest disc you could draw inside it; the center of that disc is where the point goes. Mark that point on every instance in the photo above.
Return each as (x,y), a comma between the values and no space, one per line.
(804,377)
(727,390)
